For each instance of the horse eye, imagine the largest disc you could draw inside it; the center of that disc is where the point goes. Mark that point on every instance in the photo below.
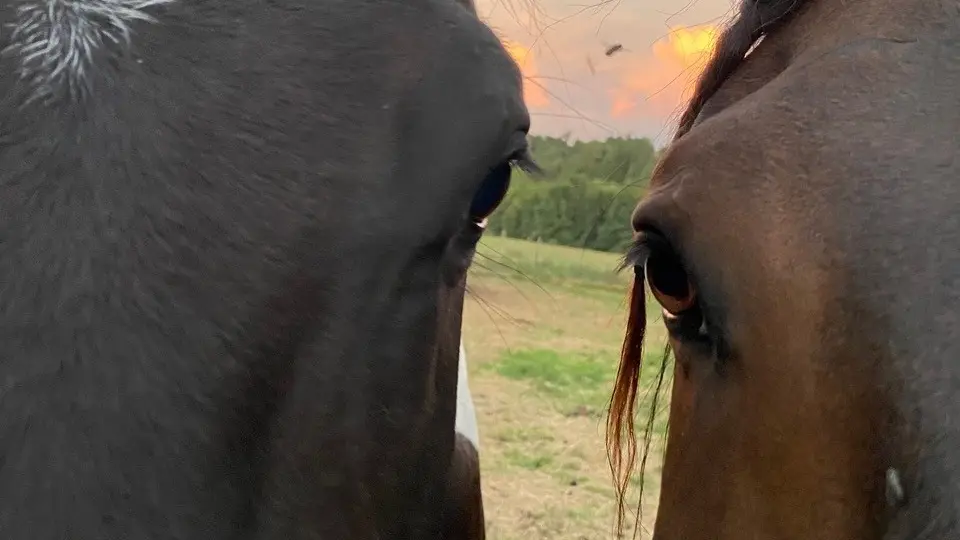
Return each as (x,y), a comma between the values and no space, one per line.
(491,193)
(670,284)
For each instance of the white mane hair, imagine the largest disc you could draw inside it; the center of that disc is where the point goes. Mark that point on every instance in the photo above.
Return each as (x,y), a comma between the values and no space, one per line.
(55,40)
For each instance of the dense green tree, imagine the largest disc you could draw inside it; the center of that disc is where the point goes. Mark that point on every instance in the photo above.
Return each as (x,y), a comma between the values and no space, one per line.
(585,196)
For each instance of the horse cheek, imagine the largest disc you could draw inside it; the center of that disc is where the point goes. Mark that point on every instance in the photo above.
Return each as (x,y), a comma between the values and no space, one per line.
(695,477)
(682,397)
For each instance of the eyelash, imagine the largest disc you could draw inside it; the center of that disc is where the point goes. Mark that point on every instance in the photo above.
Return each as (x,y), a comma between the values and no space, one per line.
(689,327)
(523,160)
(492,192)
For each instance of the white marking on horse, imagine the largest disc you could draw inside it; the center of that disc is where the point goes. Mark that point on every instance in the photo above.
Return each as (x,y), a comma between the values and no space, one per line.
(55,40)
(894,489)
(466,415)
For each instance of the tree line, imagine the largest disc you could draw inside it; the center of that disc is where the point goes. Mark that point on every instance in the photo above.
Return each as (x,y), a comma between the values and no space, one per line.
(585,196)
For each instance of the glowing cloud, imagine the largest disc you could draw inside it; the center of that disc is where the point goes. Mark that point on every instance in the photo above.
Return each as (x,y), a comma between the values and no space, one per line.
(533,94)
(662,81)
(686,46)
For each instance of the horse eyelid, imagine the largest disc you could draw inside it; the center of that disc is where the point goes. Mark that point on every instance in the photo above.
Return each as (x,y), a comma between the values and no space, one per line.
(644,243)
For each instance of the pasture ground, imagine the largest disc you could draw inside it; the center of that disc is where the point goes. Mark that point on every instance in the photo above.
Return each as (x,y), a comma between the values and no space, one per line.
(542,329)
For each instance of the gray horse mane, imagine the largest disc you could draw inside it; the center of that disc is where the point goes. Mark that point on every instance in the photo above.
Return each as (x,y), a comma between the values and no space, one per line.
(55,41)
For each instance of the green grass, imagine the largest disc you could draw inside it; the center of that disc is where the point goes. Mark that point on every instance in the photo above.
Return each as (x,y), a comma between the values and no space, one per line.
(543,327)
(529,460)
(581,272)
(550,264)
(578,380)
(578,383)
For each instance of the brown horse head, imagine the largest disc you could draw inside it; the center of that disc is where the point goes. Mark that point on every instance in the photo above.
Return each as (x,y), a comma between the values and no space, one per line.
(801,236)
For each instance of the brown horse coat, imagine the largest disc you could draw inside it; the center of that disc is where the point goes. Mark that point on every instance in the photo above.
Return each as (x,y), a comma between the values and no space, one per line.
(802,233)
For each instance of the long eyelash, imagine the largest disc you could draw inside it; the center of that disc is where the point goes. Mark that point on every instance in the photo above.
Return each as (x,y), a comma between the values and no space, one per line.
(525,162)
(644,243)
(636,254)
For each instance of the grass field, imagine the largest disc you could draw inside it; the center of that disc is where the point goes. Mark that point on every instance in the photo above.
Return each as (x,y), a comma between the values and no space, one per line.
(542,330)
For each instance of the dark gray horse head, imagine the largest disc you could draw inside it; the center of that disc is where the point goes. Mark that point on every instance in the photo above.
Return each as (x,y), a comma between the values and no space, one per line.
(234,242)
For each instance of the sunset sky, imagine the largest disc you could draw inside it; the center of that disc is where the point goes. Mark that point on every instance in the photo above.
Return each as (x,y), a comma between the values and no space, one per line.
(572,87)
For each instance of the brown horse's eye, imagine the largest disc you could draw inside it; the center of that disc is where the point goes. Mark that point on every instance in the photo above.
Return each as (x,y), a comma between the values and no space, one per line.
(670,283)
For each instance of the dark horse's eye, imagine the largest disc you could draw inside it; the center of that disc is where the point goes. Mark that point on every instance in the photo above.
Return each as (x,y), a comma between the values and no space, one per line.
(655,261)
(496,184)
(670,283)
(491,193)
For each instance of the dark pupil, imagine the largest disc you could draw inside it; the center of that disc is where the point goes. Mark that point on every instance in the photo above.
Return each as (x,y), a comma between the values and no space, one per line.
(668,276)
(491,192)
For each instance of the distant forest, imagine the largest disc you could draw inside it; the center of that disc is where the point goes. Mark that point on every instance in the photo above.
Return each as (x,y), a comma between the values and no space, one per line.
(586,196)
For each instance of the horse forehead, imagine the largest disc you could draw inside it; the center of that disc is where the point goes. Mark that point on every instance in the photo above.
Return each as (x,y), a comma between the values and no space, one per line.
(60,46)
(55,42)
(838,164)
(819,121)
(833,186)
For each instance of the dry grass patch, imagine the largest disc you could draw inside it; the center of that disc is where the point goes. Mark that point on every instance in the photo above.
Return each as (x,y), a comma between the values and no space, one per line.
(542,328)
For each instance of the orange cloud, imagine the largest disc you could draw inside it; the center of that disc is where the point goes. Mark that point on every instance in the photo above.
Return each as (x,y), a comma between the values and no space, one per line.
(533,93)
(661,82)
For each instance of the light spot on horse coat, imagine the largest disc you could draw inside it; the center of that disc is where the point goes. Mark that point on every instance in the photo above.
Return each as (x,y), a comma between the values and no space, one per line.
(894,489)
(55,40)
(466,415)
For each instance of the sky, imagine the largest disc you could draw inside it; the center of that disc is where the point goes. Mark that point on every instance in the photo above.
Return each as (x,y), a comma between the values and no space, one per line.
(573,88)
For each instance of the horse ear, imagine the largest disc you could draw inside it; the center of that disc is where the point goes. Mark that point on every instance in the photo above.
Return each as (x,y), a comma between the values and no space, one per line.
(469,5)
